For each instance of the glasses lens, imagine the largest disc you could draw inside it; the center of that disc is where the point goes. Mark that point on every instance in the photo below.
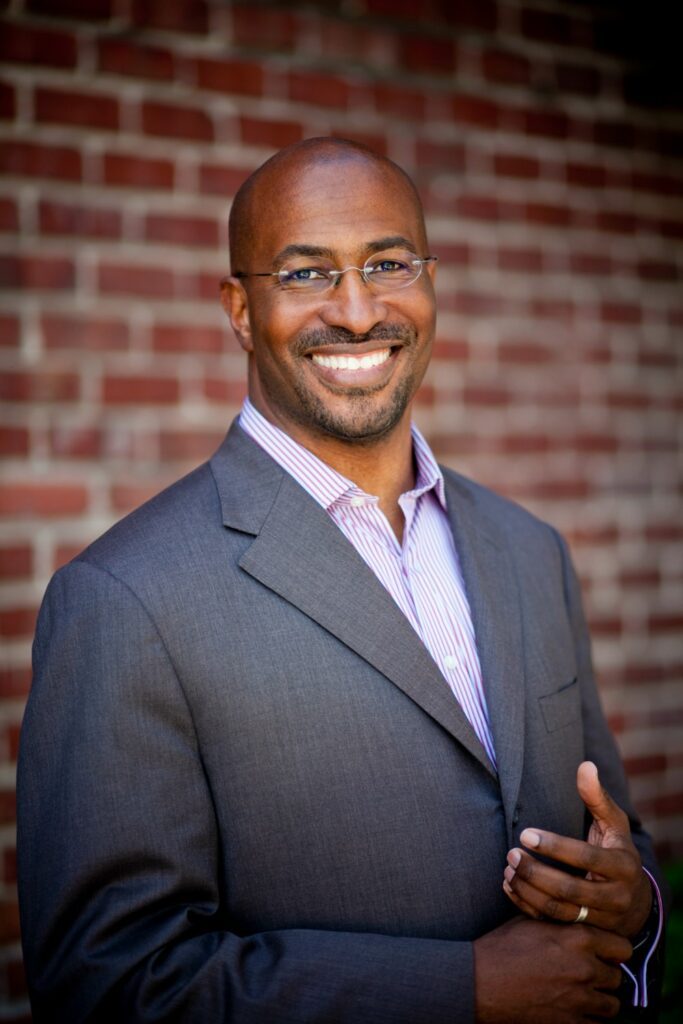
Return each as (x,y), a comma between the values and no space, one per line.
(393,269)
(305,279)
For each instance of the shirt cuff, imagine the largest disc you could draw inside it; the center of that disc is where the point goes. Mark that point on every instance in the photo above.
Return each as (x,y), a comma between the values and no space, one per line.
(644,945)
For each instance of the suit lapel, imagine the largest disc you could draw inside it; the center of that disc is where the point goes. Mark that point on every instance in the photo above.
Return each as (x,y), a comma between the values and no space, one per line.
(301,555)
(496,605)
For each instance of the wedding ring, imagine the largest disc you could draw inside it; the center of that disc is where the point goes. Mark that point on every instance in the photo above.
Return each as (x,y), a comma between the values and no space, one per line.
(581,916)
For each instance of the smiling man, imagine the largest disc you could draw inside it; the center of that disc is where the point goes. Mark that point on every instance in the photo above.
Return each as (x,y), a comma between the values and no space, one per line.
(301,725)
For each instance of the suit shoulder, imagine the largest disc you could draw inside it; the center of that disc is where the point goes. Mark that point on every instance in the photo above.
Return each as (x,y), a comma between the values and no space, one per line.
(506,515)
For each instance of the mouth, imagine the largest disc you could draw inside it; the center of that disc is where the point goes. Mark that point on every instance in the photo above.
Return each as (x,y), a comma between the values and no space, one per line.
(363,362)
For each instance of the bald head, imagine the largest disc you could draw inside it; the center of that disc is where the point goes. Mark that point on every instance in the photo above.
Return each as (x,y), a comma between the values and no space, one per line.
(271,186)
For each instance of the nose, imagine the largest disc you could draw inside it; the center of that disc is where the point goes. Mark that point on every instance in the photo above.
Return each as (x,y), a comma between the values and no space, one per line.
(352,304)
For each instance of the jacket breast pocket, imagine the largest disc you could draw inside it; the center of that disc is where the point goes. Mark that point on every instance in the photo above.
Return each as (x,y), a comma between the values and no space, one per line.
(561,707)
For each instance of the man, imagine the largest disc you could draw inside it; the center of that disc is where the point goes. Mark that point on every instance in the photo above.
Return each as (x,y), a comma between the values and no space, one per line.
(301,724)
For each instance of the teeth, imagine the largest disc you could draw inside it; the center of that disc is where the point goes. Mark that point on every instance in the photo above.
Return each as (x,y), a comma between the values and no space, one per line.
(353,362)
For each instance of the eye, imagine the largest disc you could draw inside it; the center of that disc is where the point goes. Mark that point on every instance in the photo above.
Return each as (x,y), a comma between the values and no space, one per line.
(302,276)
(392,266)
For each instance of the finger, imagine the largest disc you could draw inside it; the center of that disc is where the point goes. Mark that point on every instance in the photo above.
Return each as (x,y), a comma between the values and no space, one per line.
(604,1006)
(608,897)
(599,803)
(607,976)
(613,862)
(521,904)
(544,905)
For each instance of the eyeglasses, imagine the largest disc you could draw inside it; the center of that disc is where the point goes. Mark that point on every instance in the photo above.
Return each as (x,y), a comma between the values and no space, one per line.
(383,272)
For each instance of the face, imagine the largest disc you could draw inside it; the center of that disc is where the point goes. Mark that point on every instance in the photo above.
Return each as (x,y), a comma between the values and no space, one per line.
(344,364)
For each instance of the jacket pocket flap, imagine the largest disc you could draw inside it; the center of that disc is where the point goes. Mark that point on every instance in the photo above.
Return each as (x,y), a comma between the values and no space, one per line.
(561,707)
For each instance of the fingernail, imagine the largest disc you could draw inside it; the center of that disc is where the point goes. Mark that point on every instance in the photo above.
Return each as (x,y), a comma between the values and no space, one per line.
(514,857)
(530,838)
(507,888)
(509,874)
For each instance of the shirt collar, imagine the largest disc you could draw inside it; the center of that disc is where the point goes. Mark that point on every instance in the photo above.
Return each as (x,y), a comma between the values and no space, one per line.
(323,483)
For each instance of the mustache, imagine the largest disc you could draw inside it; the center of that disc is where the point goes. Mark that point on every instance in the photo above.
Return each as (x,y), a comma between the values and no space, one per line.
(319,337)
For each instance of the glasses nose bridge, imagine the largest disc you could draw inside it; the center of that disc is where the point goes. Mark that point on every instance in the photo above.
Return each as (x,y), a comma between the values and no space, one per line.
(337,275)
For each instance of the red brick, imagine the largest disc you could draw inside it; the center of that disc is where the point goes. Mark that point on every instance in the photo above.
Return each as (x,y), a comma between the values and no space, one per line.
(17,622)
(524,352)
(9,215)
(476,110)
(619,134)
(479,14)
(16,561)
(218,179)
(551,123)
(176,122)
(62,106)
(318,90)
(271,30)
(587,443)
(201,231)
(124,279)
(399,101)
(65,553)
(581,79)
(119,57)
(186,444)
(237,77)
(138,172)
(514,165)
(40,272)
(57,218)
(29,498)
(521,260)
(227,392)
(628,400)
(64,331)
(14,440)
(479,207)
(592,263)
(504,67)
(76,442)
(189,338)
(657,270)
(8,105)
(487,395)
(9,922)
(429,54)
(620,313)
(39,385)
(662,357)
(275,134)
(446,156)
(22,45)
(16,979)
(14,682)
(586,175)
(130,390)
(13,733)
(661,184)
(9,330)
(9,861)
(180,16)
(646,764)
(126,496)
(665,624)
(549,214)
(29,159)
(640,578)
(97,10)
(552,309)
(622,223)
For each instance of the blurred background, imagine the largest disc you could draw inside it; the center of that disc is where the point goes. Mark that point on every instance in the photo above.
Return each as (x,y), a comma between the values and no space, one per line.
(546,138)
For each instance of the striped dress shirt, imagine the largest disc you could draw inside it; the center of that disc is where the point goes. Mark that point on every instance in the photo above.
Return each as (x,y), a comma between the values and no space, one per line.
(422,574)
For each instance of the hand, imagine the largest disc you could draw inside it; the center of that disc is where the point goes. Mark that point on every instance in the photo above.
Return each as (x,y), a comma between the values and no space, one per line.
(615,888)
(532,972)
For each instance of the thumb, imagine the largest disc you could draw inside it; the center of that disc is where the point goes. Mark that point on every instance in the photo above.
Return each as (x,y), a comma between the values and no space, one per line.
(599,803)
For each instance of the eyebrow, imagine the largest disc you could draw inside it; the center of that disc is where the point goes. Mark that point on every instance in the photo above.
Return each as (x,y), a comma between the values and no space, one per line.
(377,245)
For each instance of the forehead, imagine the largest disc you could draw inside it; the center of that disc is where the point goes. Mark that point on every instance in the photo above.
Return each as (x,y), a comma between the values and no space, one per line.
(341,205)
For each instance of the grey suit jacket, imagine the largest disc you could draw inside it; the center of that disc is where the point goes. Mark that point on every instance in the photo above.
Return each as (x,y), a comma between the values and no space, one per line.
(246,792)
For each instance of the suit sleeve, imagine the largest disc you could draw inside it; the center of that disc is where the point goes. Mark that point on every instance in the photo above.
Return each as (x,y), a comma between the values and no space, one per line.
(119,858)
(646,965)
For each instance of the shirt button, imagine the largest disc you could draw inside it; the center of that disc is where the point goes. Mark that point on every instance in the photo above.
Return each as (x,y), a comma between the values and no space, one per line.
(357,501)
(450,661)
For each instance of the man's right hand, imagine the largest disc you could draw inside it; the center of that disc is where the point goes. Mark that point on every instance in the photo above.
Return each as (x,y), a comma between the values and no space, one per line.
(539,972)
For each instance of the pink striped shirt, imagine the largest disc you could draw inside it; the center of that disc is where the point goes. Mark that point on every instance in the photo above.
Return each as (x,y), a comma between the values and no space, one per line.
(422,574)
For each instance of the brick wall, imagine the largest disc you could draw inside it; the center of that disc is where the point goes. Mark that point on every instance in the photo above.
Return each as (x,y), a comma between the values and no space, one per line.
(548,150)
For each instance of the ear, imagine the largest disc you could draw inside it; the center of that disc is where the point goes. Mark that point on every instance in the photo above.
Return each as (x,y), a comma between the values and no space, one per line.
(236,304)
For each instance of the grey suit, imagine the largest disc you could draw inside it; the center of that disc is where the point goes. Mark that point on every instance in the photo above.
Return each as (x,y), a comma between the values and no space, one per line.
(246,791)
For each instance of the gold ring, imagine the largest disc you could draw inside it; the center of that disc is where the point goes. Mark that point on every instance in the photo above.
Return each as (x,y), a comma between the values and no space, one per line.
(581,916)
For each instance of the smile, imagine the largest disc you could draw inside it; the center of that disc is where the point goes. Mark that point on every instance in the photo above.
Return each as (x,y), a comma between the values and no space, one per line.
(365,362)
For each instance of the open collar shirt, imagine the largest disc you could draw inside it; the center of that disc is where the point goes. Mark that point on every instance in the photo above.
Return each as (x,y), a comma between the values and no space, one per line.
(422,574)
